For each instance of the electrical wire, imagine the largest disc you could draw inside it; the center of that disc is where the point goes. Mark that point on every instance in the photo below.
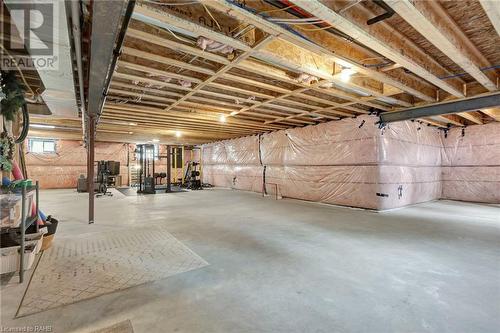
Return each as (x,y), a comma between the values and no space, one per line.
(314,29)
(210,13)
(182,39)
(307,19)
(276,10)
(300,23)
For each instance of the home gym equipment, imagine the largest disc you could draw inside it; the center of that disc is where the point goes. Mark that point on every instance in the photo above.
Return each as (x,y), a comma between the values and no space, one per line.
(146,157)
(192,178)
(105,169)
(149,180)
(159,177)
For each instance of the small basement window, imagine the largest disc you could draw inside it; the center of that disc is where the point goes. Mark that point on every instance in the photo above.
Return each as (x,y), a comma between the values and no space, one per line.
(42,146)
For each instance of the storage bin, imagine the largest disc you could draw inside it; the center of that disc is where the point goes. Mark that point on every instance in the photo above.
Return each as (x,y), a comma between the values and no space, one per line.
(10,256)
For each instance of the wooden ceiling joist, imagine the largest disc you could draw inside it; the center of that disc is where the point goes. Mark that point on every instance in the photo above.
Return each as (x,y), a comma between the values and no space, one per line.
(163,42)
(337,52)
(432,22)
(492,9)
(268,49)
(258,88)
(157,72)
(192,116)
(492,112)
(377,37)
(166,61)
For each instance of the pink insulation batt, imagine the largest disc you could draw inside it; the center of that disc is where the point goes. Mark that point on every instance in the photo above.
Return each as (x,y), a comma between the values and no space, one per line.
(352,162)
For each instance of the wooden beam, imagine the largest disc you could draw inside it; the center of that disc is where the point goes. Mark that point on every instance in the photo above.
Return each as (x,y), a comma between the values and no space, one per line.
(377,37)
(271,49)
(166,61)
(133,77)
(160,41)
(143,95)
(291,56)
(449,119)
(224,69)
(157,72)
(207,114)
(273,72)
(325,45)
(432,22)
(115,84)
(492,112)
(492,9)
(471,117)
(164,17)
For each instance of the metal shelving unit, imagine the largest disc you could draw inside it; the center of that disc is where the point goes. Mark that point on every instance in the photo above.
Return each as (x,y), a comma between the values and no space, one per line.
(26,222)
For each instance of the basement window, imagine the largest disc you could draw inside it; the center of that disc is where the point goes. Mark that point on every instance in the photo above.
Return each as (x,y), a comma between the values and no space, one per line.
(42,146)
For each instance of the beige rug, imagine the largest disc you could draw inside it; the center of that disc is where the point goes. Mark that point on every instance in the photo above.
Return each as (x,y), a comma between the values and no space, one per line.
(73,270)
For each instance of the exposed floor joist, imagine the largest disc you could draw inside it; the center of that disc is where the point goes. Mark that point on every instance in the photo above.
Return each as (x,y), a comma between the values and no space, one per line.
(429,19)
(386,44)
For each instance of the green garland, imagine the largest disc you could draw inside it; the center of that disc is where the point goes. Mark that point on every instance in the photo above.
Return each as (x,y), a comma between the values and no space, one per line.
(7,146)
(11,95)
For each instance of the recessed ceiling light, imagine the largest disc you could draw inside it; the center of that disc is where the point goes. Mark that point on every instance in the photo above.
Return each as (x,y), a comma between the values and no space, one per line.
(156,140)
(132,124)
(222,118)
(178,134)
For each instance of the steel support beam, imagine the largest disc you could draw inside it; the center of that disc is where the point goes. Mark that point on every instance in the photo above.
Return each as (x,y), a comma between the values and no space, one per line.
(462,105)
(91,122)
(109,22)
(169,169)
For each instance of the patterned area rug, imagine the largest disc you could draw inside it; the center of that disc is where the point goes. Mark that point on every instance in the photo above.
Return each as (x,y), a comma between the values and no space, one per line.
(122,327)
(77,269)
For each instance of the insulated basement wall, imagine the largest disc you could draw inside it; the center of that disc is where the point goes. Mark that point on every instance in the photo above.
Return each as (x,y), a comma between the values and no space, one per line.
(62,169)
(471,164)
(352,162)
(334,162)
(234,164)
(409,164)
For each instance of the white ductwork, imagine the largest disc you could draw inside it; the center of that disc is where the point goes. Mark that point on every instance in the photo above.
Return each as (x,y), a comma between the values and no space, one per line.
(59,93)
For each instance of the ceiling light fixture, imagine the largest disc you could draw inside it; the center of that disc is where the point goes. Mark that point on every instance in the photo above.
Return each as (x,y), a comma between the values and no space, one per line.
(222,118)
(346,73)
(178,134)
(42,126)
(132,124)
(156,140)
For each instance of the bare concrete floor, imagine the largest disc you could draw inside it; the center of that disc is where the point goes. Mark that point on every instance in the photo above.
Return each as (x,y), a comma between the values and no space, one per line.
(291,266)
